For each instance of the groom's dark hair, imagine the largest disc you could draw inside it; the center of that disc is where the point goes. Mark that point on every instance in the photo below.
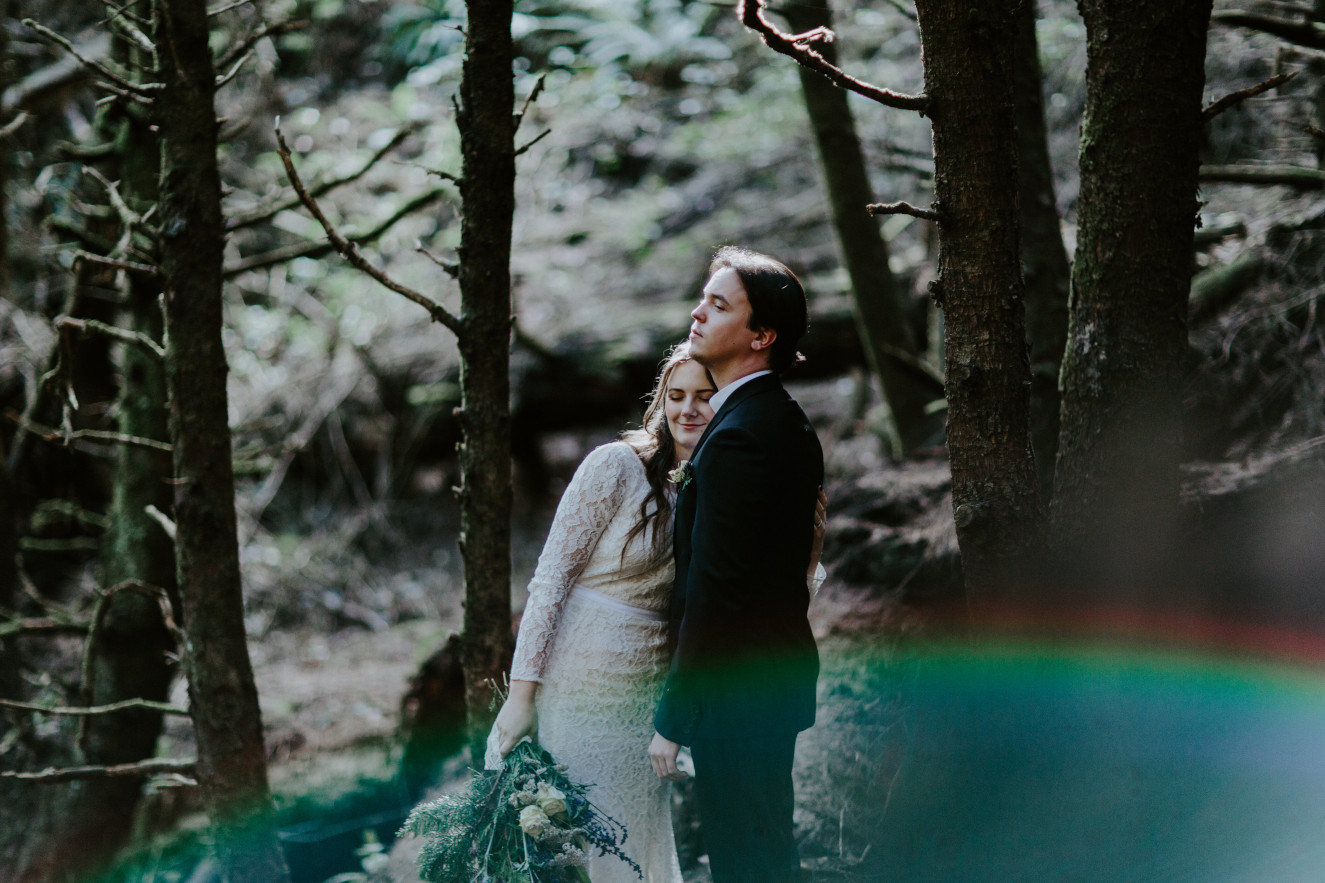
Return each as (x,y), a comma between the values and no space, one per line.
(777,300)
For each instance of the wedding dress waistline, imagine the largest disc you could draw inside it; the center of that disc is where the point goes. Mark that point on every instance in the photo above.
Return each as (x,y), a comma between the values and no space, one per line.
(602,600)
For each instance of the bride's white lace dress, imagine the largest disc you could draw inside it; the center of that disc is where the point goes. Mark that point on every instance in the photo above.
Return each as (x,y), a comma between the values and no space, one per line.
(594,635)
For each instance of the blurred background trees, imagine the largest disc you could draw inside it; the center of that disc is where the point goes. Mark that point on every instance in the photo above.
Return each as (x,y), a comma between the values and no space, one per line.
(670,130)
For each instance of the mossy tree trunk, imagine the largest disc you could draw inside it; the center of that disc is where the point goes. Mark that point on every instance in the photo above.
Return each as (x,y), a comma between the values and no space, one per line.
(487,191)
(1044,259)
(887,339)
(223,700)
(1116,483)
(130,656)
(968,77)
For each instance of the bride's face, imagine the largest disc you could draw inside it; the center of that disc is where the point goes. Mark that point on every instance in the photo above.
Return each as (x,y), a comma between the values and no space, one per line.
(687,406)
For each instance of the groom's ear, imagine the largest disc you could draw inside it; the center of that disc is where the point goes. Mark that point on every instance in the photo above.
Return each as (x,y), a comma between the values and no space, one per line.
(764,338)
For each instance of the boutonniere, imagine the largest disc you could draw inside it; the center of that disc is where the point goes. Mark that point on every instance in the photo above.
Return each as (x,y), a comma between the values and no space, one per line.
(681,475)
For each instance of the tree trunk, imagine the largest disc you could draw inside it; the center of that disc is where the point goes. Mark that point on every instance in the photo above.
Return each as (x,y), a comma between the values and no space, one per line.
(1044,259)
(880,318)
(130,656)
(487,192)
(1116,484)
(968,78)
(227,724)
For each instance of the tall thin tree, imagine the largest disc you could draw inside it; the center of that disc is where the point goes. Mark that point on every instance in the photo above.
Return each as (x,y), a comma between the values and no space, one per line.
(1044,258)
(487,191)
(232,767)
(1116,484)
(968,98)
(886,336)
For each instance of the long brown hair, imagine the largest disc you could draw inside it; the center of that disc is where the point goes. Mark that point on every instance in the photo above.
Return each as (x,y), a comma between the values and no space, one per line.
(656,447)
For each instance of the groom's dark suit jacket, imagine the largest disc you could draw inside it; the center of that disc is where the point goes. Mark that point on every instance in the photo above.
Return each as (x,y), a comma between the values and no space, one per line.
(744,660)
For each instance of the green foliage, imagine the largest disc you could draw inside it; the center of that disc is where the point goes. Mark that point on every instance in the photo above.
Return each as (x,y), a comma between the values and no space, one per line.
(524,823)
(643,37)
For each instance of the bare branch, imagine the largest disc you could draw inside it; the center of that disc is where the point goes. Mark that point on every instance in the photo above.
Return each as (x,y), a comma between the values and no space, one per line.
(1234,98)
(122,12)
(66,438)
(533,96)
(540,137)
(142,770)
(1266,176)
(91,710)
(42,626)
(223,79)
(8,130)
(451,268)
(902,208)
(116,264)
(227,7)
(162,519)
(1296,31)
(259,216)
(313,249)
(136,338)
(908,12)
(242,48)
(142,90)
(797,47)
(350,251)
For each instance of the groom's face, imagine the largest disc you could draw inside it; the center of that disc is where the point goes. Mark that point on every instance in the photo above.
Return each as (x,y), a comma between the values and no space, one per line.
(720,333)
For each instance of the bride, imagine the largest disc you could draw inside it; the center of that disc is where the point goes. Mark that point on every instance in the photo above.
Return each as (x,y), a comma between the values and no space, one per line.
(592,651)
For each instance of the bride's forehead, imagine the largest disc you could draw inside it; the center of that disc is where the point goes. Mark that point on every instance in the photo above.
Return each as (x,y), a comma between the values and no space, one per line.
(689,375)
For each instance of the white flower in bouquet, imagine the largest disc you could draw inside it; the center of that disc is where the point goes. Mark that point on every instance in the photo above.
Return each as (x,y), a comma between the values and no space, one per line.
(552,801)
(533,821)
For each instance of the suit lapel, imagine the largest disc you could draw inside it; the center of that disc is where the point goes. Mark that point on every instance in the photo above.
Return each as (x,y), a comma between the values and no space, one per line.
(745,391)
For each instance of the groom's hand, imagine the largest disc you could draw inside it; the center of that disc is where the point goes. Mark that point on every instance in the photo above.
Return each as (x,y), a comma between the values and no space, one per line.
(662,753)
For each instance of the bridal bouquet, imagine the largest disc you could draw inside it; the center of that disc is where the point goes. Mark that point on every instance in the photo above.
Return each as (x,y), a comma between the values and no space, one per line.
(524,823)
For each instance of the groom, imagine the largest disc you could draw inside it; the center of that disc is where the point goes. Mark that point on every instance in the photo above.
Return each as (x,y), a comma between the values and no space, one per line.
(744,663)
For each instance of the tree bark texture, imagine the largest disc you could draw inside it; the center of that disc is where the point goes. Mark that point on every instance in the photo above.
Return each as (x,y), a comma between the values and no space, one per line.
(487,192)
(967,55)
(1044,263)
(223,699)
(880,318)
(1116,483)
(130,655)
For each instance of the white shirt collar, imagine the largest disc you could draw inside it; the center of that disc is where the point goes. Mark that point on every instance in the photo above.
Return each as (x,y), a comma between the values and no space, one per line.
(723,394)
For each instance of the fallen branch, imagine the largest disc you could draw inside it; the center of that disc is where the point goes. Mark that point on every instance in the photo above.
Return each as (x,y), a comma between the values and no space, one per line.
(350,251)
(797,47)
(902,208)
(93,710)
(1235,98)
(142,769)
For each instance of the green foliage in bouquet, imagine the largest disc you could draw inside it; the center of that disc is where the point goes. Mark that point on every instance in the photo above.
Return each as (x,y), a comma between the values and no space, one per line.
(524,823)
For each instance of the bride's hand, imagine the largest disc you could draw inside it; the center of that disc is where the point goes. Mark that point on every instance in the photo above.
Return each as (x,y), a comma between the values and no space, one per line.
(820,526)
(518,717)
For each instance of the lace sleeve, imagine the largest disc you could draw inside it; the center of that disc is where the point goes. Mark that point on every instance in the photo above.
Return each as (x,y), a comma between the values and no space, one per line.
(588,505)
(816,580)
